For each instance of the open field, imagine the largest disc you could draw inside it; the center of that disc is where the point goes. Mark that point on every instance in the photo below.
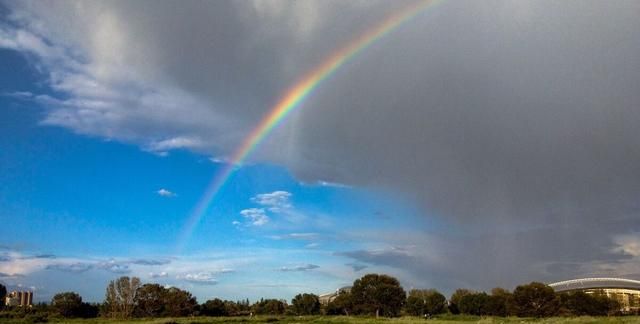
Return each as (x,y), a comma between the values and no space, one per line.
(344,319)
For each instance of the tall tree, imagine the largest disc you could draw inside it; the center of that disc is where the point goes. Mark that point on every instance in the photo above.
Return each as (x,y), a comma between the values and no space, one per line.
(121,296)
(306,304)
(378,294)
(67,304)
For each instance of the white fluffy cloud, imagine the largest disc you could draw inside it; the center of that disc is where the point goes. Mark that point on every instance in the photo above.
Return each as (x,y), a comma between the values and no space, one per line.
(204,278)
(276,201)
(165,193)
(255,216)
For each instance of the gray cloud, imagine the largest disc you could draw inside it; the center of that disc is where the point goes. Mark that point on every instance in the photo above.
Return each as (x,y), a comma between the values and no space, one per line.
(70,267)
(150,262)
(357,266)
(513,123)
(162,274)
(115,267)
(305,267)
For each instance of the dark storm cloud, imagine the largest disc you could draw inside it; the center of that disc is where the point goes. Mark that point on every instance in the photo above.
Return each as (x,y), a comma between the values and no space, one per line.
(514,122)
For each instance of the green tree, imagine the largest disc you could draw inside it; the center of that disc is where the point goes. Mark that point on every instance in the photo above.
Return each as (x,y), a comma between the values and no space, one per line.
(498,300)
(67,304)
(474,304)
(269,307)
(150,301)
(425,301)
(306,304)
(414,305)
(178,302)
(455,299)
(579,303)
(214,307)
(121,297)
(378,294)
(341,305)
(534,300)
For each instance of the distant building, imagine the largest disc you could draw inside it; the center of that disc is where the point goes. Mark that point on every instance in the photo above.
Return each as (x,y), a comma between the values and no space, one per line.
(325,299)
(19,299)
(625,291)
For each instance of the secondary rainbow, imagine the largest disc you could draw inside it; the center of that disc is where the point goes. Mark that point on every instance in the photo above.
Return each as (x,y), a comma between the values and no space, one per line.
(291,100)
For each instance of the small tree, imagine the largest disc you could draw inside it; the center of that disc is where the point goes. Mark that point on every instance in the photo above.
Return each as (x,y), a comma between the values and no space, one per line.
(534,300)
(378,294)
(67,304)
(306,304)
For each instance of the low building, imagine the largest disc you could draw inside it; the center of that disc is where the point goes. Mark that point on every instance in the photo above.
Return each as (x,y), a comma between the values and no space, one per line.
(625,291)
(325,299)
(19,299)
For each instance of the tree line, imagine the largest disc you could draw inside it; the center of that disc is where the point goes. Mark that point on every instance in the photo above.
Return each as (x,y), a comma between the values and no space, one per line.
(373,295)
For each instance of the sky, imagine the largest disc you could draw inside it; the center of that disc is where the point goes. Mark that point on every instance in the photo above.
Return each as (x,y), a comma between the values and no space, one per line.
(477,144)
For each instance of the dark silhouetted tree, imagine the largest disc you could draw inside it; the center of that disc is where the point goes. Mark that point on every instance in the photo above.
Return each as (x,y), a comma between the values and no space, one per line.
(306,304)
(579,303)
(3,294)
(377,294)
(214,307)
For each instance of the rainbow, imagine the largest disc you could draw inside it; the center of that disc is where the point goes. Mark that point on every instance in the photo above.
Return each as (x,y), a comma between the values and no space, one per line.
(291,100)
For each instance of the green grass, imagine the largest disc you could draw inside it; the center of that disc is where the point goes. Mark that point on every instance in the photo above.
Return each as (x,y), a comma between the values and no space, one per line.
(348,320)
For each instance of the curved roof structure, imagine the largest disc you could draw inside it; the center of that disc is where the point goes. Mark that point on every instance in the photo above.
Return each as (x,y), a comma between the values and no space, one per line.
(595,283)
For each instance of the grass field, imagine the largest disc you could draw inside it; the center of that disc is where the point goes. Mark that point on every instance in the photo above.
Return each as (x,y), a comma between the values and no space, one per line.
(344,319)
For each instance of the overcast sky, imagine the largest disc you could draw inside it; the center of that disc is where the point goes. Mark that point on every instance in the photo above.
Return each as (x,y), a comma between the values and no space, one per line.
(479,144)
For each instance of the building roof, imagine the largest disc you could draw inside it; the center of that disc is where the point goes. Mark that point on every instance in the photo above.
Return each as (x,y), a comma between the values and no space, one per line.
(595,283)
